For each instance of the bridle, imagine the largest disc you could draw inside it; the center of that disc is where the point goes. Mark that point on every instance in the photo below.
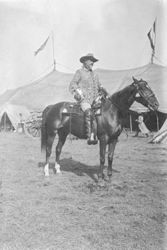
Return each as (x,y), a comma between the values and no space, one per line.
(146,95)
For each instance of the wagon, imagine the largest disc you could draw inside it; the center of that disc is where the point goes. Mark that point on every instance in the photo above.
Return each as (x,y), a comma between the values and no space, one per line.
(33,124)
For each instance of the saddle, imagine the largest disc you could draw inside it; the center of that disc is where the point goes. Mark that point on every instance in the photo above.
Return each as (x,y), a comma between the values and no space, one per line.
(75,109)
(72,109)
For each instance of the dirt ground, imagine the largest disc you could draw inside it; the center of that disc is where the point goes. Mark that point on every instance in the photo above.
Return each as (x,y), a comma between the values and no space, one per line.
(70,211)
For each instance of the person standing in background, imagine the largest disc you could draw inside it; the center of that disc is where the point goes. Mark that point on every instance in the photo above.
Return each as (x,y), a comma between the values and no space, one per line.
(141,126)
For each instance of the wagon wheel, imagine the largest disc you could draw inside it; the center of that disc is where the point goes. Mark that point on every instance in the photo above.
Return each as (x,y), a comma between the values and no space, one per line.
(34,132)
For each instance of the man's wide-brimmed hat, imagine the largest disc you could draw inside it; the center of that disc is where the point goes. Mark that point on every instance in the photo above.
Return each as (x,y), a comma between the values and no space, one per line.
(88,57)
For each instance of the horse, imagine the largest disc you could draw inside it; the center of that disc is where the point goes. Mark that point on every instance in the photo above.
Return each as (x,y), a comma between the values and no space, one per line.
(114,110)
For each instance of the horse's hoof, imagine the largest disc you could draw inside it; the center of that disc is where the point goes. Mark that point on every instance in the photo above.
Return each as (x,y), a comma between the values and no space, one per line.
(46,174)
(109,174)
(101,183)
(58,172)
(101,176)
(109,179)
(46,170)
(106,178)
(57,168)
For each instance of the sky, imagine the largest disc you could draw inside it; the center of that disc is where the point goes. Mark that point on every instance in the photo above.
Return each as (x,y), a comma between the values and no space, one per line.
(115,31)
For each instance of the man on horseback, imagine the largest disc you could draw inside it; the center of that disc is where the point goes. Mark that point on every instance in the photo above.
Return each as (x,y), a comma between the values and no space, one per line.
(86,87)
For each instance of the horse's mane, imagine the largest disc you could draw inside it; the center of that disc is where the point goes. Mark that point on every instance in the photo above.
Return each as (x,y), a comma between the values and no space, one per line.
(121,94)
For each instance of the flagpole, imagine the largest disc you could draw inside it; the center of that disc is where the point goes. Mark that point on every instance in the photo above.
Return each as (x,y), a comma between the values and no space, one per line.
(155,30)
(154,41)
(152,56)
(53,50)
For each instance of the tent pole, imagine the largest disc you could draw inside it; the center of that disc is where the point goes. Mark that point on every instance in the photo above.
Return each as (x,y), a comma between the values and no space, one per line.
(5,121)
(130,118)
(157,122)
(53,51)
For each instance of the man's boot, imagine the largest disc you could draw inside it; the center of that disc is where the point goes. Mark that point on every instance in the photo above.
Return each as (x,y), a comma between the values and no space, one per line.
(89,133)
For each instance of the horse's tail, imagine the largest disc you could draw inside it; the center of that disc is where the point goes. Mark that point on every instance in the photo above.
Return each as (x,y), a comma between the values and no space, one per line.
(43,133)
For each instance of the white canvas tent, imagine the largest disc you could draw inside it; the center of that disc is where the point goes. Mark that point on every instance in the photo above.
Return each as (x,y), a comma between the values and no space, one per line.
(10,115)
(54,87)
(161,135)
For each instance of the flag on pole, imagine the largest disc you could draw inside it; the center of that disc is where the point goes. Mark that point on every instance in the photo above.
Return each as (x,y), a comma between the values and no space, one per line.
(151,35)
(41,47)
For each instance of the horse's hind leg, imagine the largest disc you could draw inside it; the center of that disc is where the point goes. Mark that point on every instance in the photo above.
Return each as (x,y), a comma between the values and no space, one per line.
(62,138)
(102,157)
(49,143)
(111,149)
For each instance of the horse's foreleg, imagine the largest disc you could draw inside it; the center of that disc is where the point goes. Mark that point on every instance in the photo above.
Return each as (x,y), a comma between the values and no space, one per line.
(49,144)
(61,141)
(111,149)
(102,156)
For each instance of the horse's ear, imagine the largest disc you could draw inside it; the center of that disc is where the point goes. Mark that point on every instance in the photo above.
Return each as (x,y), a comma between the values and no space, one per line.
(134,79)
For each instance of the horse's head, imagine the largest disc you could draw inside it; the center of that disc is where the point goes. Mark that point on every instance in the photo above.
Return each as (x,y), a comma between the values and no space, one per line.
(144,94)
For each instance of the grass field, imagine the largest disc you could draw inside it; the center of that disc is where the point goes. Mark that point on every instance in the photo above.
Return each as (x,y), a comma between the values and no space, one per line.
(70,211)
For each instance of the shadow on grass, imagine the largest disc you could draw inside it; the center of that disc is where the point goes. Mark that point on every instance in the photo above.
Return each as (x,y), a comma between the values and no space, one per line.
(76,167)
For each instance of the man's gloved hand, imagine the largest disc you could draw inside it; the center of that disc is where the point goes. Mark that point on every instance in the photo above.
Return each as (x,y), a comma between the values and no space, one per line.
(78,95)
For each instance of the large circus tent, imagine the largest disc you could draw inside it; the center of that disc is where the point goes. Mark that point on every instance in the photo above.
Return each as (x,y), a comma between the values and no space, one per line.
(53,88)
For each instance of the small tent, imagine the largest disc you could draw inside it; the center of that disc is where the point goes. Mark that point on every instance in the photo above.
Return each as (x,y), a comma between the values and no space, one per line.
(11,115)
(161,135)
